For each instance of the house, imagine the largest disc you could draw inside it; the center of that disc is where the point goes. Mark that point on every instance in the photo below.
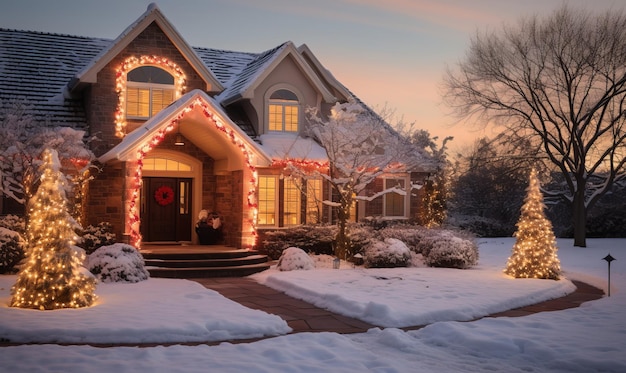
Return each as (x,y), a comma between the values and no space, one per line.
(183,129)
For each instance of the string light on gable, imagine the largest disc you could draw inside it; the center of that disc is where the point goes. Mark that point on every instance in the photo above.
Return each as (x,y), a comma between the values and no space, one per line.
(133,218)
(121,80)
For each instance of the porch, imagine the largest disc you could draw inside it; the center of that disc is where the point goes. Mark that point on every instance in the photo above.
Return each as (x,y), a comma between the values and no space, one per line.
(171,260)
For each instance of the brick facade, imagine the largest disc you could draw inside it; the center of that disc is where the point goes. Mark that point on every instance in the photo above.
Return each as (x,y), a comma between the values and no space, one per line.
(101,99)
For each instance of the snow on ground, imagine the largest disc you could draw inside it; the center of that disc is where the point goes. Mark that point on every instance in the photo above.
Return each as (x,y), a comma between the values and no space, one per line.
(586,339)
(402,297)
(153,311)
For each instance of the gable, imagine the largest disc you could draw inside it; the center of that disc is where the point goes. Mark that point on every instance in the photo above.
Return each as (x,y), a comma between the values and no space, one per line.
(333,85)
(254,74)
(152,17)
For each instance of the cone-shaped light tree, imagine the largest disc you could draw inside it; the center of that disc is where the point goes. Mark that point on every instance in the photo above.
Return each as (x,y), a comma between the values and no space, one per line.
(535,251)
(51,278)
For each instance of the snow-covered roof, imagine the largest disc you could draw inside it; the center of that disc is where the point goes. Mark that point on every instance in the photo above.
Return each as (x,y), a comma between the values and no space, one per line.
(40,68)
(36,67)
(281,145)
(242,85)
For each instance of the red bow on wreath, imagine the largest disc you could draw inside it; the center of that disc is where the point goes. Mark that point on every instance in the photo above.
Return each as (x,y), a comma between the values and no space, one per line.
(164,195)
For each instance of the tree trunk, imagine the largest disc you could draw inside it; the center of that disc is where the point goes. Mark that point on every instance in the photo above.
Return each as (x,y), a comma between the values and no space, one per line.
(342,242)
(580,218)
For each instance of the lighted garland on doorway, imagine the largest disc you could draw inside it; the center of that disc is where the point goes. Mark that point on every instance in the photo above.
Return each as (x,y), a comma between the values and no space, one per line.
(133,214)
(121,80)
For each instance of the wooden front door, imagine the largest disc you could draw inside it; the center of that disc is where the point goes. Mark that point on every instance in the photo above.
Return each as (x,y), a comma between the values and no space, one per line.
(166,209)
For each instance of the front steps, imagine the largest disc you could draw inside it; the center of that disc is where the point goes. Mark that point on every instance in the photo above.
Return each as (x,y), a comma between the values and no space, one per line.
(195,263)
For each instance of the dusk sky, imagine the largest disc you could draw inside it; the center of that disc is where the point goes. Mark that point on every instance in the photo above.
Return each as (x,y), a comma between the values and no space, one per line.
(390,53)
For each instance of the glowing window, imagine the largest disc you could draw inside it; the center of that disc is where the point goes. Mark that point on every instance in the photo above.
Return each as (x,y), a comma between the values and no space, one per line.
(283,111)
(164,164)
(313,201)
(149,90)
(291,202)
(268,189)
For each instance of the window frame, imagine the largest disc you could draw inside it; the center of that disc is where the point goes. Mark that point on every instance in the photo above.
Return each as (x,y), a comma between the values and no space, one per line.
(150,87)
(285,202)
(286,106)
(276,198)
(406,198)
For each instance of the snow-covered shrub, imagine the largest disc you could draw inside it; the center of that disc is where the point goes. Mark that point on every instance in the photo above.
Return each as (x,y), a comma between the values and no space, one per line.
(311,238)
(411,235)
(294,258)
(360,237)
(11,250)
(387,254)
(97,236)
(13,223)
(451,251)
(483,226)
(117,263)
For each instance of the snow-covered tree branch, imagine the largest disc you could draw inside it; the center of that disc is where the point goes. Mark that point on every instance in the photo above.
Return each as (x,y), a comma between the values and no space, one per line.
(22,141)
(360,147)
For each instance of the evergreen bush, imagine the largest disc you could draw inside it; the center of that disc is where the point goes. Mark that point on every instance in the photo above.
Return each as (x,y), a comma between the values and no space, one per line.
(310,238)
(11,250)
(94,237)
(448,250)
(389,253)
(117,263)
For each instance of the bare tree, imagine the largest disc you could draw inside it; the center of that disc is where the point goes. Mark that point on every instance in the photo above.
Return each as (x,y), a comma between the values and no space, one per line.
(489,187)
(360,147)
(560,82)
(22,140)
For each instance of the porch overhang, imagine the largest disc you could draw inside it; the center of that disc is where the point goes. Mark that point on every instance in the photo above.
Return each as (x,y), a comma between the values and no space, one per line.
(201,121)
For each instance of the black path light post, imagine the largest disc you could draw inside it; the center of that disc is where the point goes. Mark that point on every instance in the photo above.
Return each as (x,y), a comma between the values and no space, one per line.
(609,259)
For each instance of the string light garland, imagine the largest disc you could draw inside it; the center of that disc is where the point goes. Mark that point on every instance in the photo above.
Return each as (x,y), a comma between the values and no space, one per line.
(535,251)
(131,63)
(303,165)
(133,218)
(51,278)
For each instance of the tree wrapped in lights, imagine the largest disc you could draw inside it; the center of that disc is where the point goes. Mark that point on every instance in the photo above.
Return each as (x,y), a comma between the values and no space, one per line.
(52,277)
(534,252)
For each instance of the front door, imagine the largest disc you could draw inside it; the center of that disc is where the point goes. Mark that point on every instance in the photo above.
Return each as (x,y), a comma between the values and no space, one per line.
(166,209)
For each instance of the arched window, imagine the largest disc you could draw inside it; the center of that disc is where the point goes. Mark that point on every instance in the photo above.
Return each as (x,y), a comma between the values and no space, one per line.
(283,111)
(149,89)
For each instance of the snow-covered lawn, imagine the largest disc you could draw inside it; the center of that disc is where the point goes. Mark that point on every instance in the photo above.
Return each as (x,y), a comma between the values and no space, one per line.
(586,339)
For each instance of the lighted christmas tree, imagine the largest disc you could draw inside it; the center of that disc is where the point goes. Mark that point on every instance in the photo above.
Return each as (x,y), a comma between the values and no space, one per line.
(535,251)
(52,277)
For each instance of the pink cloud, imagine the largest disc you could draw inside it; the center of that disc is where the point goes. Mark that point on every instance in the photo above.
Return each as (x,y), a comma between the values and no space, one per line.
(463,15)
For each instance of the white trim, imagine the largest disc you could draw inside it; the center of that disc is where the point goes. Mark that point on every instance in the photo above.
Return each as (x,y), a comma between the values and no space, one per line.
(153,14)
(127,148)
(289,49)
(266,106)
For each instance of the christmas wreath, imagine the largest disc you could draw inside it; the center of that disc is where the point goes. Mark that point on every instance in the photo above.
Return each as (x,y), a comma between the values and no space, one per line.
(164,195)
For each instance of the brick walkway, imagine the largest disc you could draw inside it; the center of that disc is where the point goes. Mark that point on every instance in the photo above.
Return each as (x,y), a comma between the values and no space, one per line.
(300,315)
(305,317)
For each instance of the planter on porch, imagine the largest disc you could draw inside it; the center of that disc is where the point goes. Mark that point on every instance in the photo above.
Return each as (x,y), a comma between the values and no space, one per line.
(209,228)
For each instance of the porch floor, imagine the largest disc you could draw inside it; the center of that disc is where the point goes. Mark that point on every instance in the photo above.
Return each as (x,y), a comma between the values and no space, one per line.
(171,248)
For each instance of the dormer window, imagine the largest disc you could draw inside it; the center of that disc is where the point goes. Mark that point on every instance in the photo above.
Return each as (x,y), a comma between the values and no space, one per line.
(149,90)
(283,111)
